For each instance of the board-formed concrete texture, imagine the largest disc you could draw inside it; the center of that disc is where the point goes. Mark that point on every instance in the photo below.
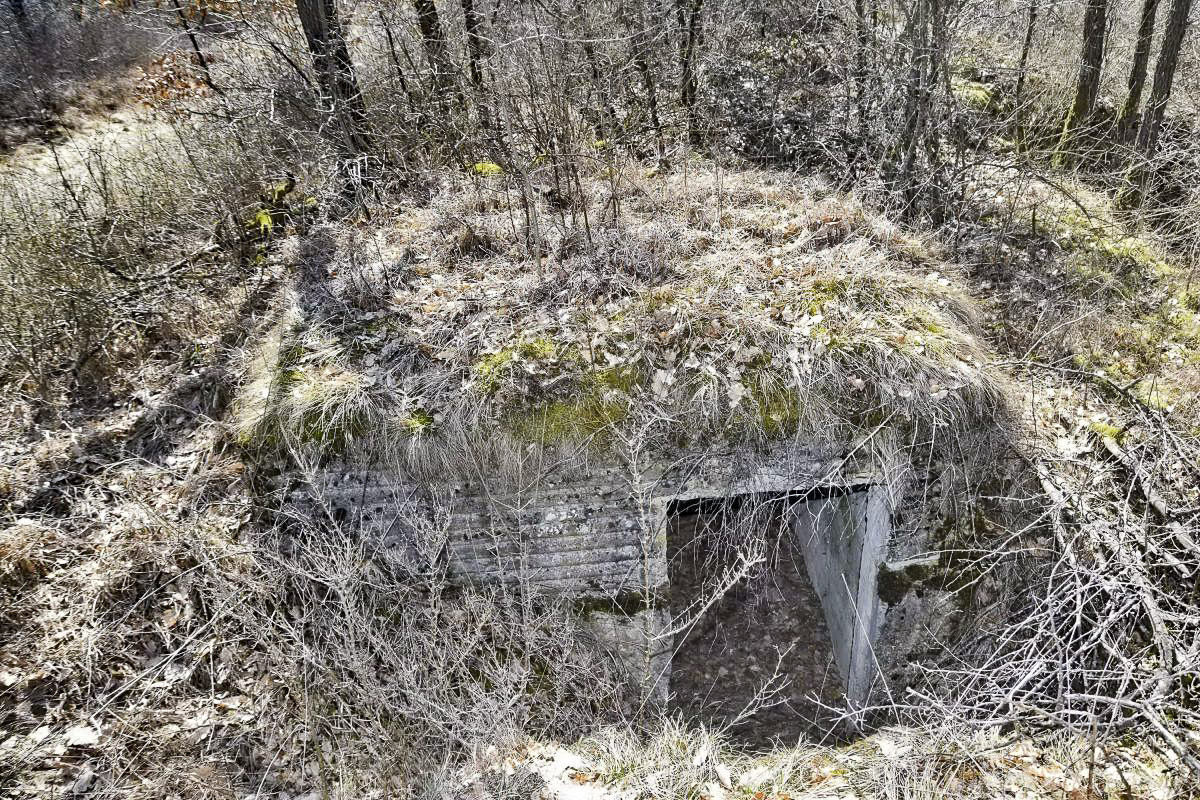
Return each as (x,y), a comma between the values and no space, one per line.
(598,532)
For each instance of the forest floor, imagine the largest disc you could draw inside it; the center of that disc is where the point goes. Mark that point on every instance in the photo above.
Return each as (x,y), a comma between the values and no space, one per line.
(110,132)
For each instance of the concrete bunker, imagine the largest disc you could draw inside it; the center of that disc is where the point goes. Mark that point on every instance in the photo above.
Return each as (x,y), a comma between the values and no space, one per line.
(641,555)
(492,424)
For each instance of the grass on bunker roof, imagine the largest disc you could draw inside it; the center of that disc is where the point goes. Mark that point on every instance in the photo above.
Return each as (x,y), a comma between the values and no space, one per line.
(687,306)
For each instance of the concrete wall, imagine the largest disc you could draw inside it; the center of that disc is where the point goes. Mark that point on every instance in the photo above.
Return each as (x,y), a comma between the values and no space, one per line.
(638,643)
(844,538)
(600,532)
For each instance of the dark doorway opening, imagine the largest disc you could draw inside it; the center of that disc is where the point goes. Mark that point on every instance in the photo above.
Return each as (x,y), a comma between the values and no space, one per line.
(767,629)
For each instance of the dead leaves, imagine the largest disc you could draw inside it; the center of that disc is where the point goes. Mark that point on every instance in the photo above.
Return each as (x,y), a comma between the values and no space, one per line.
(581,777)
(169,79)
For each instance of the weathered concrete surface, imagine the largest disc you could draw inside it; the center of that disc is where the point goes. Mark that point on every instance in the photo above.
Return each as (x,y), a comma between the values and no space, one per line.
(637,642)
(597,532)
(844,538)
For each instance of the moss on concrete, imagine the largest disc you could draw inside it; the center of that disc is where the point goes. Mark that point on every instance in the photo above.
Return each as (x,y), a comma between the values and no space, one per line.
(895,580)
(557,421)
(1106,429)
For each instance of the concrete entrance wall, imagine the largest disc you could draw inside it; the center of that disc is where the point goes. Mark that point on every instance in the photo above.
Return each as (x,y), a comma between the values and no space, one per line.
(844,539)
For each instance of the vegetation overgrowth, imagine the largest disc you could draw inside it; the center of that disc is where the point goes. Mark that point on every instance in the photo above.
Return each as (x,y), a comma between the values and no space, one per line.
(234,233)
(742,306)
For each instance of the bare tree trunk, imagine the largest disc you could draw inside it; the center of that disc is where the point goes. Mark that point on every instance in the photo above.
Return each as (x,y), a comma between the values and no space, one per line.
(607,114)
(681,26)
(1164,77)
(1023,66)
(641,48)
(1087,88)
(471,22)
(921,70)
(335,71)
(643,67)
(395,57)
(1137,75)
(434,41)
(687,94)
(862,36)
(1156,106)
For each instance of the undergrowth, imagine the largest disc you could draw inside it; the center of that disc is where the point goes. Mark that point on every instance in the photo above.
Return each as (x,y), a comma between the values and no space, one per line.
(1126,304)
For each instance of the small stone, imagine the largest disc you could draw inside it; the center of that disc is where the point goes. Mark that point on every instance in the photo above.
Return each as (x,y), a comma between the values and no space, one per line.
(83,781)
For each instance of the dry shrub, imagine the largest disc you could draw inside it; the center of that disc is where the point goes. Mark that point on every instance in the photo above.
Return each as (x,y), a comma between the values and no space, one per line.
(411,675)
(102,242)
(55,61)
(175,646)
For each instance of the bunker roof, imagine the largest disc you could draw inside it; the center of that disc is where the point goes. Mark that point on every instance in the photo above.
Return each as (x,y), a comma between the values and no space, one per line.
(656,310)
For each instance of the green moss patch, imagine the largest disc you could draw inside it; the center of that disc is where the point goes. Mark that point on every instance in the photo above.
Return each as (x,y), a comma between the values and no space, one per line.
(486,169)
(1104,249)
(539,354)
(973,94)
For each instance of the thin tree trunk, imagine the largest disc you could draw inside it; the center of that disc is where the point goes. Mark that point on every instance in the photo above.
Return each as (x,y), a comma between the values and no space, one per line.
(861,41)
(335,71)
(187,28)
(687,94)
(607,121)
(640,48)
(1023,67)
(471,22)
(1087,88)
(391,40)
(919,38)
(1137,75)
(434,41)
(681,27)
